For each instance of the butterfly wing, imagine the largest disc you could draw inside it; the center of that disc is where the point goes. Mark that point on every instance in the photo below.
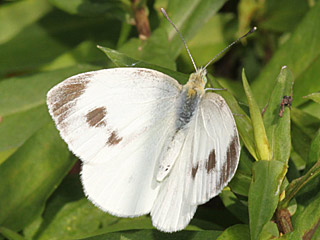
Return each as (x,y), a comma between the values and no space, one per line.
(216,159)
(206,163)
(113,121)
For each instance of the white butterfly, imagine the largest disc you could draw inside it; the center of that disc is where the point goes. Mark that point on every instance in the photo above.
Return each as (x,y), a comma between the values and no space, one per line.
(148,144)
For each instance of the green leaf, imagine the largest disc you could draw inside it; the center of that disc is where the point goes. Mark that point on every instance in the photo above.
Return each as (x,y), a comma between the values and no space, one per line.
(314,152)
(239,231)
(154,50)
(283,16)
(81,218)
(122,60)
(234,87)
(212,218)
(269,231)
(301,54)
(234,205)
(189,16)
(307,83)
(307,221)
(30,175)
(69,215)
(83,53)
(313,96)
(261,140)
(70,190)
(300,143)
(10,16)
(25,54)
(247,9)
(306,122)
(9,234)
(304,128)
(295,186)
(240,183)
(278,128)
(155,234)
(16,128)
(115,9)
(165,44)
(207,43)
(267,177)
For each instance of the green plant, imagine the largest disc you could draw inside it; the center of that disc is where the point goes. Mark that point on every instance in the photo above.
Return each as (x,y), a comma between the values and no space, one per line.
(276,187)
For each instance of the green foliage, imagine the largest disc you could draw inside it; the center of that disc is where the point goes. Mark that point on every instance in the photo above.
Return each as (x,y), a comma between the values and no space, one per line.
(42,42)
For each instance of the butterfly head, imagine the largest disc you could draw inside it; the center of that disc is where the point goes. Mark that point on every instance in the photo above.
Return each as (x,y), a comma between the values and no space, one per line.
(198,79)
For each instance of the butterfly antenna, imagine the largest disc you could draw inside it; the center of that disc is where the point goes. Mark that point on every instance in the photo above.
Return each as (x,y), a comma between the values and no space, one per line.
(248,33)
(184,42)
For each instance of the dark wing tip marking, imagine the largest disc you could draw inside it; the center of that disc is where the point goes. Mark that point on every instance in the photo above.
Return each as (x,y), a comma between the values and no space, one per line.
(61,99)
(68,93)
(229,165)
(232,159)
(114,139)
(95,118)
(211,163)
(194,171)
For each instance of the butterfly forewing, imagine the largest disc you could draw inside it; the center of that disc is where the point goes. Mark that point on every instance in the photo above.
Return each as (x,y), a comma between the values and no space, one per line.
(113,121)
(218,158)
(206,163)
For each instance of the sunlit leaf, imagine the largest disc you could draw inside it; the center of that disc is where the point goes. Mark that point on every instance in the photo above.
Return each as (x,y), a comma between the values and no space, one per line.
(30,175)
(277,117)
(264,193)
(261,140)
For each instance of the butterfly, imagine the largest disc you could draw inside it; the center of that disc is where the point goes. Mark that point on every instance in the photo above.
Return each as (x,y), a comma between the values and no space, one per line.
(147,144)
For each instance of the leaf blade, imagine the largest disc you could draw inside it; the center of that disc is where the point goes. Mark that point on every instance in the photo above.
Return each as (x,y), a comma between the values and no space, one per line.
(30,175)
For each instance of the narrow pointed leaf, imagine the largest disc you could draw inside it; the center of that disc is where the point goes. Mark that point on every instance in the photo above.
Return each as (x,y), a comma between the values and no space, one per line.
(296,185)
(313,96)
(261,140)
(9,234)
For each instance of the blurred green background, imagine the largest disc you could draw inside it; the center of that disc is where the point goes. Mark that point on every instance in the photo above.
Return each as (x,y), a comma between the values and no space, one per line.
(42,42)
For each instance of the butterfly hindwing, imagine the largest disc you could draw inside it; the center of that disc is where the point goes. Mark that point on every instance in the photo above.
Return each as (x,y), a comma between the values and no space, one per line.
(111,119)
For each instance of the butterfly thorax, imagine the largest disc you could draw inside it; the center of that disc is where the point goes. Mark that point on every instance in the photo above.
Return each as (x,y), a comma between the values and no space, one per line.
(190,96)
(198,80)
